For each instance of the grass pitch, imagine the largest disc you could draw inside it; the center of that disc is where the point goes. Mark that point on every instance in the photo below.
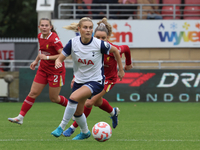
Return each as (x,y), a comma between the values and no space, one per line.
(142,126)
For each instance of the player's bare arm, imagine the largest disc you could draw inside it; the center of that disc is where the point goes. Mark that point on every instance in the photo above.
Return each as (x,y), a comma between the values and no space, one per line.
(115,51)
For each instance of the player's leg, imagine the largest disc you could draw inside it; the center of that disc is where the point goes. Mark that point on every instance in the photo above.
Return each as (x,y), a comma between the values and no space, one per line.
(55,97)
(87,109)
(55,84)
(75,104)
(35,91)
(73,127)
(114,112)
(103,104)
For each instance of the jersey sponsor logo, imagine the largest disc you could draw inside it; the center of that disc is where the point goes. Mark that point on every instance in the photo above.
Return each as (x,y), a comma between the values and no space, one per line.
(45,53)
(84,61)
(135,79)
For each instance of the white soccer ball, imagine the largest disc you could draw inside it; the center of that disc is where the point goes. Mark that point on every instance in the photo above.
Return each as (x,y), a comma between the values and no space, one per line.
(101,131)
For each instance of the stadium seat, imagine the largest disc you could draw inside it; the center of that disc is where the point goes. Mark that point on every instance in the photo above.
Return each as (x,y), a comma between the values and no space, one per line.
(192,2)
(191,12)
(167,12)
(88,2)
(171,2)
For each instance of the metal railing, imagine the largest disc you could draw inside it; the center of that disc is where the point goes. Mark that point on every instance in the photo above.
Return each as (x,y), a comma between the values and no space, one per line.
(115,11)
(14,65)
(19,40)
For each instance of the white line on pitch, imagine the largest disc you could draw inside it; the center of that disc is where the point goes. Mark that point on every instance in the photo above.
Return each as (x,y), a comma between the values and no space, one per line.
(123,140)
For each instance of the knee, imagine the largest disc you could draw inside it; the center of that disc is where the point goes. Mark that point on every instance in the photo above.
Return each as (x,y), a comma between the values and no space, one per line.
(97,103)
(33,94)
(54,99)
(89,103)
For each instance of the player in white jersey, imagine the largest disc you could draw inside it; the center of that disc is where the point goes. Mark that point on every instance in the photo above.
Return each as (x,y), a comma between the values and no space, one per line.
(87,54)
(88,66)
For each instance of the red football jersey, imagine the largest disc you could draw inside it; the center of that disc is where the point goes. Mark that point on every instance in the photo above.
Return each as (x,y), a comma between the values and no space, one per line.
(50,46)
(110,64)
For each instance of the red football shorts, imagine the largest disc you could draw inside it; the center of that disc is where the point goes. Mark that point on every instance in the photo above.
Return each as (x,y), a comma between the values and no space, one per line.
(54,80)
(108,85)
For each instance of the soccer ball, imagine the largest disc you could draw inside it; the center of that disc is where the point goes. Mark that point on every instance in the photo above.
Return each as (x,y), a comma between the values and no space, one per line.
(101,131)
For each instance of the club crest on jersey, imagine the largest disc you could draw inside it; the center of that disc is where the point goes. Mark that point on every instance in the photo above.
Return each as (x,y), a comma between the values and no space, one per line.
(47,46)
(106,44)
(84,61)
(108,58)
(93,54)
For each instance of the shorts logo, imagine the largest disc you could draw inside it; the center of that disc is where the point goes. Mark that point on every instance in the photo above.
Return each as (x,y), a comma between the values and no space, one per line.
(135,79)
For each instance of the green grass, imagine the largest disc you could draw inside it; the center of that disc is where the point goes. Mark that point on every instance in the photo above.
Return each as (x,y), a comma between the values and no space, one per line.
(142,126)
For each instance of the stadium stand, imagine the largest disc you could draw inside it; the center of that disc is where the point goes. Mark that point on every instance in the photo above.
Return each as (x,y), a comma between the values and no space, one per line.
(167,12)
(191,12)
(192,2)
(171,2)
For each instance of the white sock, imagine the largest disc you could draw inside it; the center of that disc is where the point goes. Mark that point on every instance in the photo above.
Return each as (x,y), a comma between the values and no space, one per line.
(82,122)
(72,127)
(20,117)
(112,113)
(69,112)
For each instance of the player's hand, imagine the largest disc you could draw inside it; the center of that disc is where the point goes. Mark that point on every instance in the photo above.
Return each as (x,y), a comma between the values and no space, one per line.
(33,64)
(72,83)
(128,67)
(121,74)
(58,64)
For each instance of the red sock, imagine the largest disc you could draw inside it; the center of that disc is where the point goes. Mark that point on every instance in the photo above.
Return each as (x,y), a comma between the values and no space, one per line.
(86,112)
(27,104)
(63,101)
(106,106)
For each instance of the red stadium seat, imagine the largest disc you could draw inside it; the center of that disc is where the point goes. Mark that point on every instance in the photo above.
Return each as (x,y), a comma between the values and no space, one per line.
(171,1)
(167,12)
(192,2)
(191,12)
(88,2)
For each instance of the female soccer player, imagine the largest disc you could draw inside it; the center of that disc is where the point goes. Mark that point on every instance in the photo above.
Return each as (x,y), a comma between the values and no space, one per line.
(103,32)
(50,48)
(87,54)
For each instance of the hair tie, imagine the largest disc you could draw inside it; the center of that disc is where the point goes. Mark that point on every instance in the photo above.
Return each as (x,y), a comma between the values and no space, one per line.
(102,24)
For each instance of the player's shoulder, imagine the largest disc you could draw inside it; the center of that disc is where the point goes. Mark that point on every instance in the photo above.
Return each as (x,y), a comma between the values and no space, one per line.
(96,40)
(39,36)
(53,35)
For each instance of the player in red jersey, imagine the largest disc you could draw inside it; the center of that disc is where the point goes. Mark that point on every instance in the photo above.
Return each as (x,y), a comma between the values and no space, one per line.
(50,48)
(103,32)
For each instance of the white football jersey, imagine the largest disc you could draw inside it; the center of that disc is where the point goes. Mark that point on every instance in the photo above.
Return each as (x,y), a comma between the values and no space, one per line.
(87,58)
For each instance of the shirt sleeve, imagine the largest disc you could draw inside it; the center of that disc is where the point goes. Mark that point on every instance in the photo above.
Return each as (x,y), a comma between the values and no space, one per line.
(105,47)
(125,49)
(57,43)
(67,49)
